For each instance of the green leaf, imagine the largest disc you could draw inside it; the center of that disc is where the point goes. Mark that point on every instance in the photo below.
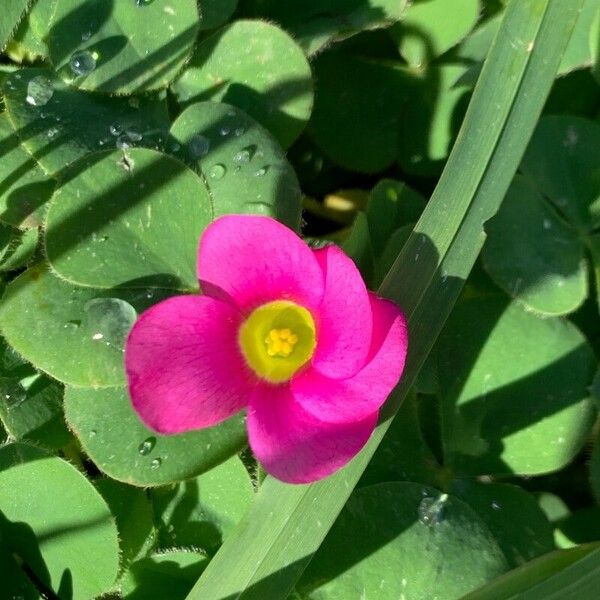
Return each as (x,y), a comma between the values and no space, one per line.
(16,453)
(167,575)
(77,334)
(215,13)
(391,251)
(31,409)
(397,525)
(595,471)
(391,205)
(257,67)
(580,527)
(358,246)
(67,123)
(23,186)
(26,46)
(569,175)
(201,512)
(268,551)
(403,454)
(243,166)
(19,249)
(514,389)
(121,446)
(15,584)
(426,31)
(10,17)
(137,203)
(133,46)
(565,575)
(56,542)
(317,23)
(533,255)
(132,511)
(436,100)
(360,133)
(578,54)
(513,516)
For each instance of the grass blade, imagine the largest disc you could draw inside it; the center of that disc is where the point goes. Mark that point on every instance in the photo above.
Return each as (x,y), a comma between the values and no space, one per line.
(270,548)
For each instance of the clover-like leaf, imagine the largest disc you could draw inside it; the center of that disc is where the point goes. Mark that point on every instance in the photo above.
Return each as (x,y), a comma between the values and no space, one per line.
(131,218)
(54,541)
(257,67)
(77,334)
(243,165)
(397,524)
(121,47)
(125,449)
(514,389)
(534,255)
(58,124)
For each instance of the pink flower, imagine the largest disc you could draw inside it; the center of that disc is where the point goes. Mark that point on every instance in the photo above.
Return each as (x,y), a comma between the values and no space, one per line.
(289,332)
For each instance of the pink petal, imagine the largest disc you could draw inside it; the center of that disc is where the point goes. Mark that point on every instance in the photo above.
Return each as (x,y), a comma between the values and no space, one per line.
(355,398)
(344,320)
(256,260)
(183,364)
(293,445)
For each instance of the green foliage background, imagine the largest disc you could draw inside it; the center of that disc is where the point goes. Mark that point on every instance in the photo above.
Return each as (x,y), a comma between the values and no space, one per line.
(451,147)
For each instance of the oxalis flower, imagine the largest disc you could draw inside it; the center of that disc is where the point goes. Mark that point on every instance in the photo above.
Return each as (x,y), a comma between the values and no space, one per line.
(289,332)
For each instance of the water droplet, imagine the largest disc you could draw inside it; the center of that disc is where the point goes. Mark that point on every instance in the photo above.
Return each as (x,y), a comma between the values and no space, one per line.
(123,142)
(431,510)
(85,36)
(109,319)
(239,131)
(146,446)
(262,171)
(225,130)
(156,462)
(93,433)
(217,171)
(242,157)
(199,146)
(134,135)
(496,505)
(72,325)
(13,392)
(52,132)
(115,129)
(82,63)
(143,2)
(39,91)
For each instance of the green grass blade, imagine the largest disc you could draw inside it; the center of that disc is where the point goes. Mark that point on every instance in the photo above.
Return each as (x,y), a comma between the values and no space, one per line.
(572,574)
(268,551)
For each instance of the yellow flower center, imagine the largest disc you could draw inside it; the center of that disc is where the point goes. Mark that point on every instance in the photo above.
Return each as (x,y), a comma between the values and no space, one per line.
(277,339)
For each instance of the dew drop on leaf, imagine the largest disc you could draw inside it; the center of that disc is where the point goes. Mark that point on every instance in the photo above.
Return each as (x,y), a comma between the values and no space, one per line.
(431,510)
(199,146)
(146,446)
(155,464)
(13,393)
(39,91)
(217,171)
(82,63)
(115,129)
(109,319)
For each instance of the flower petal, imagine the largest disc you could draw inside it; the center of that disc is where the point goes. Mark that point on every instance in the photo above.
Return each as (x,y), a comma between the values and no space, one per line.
(344,319)
(257,259)
(293,445)
(353,399)
(183,364)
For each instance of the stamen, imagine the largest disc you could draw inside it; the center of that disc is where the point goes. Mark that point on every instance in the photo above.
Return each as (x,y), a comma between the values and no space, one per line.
(280,342)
